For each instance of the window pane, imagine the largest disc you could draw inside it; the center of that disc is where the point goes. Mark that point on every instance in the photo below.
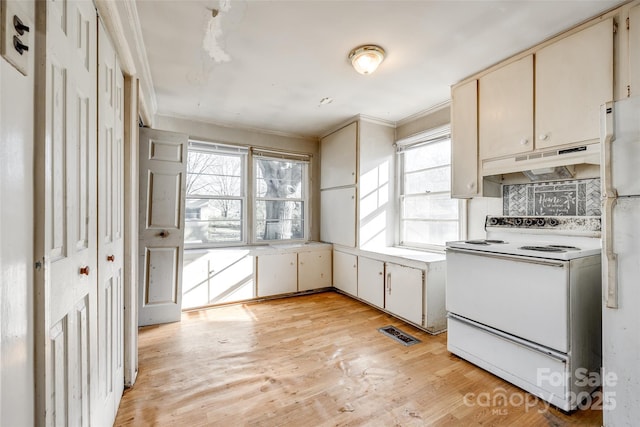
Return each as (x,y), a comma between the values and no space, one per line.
(213,221)
(279,179)
(214,174)
(439,206)
(430,232)
(279,220)
(428,181)
(427,156)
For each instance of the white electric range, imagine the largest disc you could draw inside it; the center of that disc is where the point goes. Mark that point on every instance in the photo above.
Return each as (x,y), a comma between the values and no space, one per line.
(525,303)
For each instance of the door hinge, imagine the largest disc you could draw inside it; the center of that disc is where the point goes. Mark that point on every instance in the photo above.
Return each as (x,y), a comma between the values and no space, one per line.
(423,318)
(627,22)
(628,91)
(615,27)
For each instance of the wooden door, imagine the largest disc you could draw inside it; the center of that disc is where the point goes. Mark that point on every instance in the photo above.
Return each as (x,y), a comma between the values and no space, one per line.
(110,230)
(65,215)
(574,77)
(403,292)
(505,112)
(163,159)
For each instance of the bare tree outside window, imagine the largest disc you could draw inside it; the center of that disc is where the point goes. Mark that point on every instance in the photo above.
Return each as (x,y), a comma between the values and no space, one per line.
(279,199)
(215,197)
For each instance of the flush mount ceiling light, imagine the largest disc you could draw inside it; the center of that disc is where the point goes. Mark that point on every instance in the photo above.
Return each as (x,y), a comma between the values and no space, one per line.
(365,59)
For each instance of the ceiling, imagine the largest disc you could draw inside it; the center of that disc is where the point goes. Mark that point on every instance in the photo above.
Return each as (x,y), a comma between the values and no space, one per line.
(266,64)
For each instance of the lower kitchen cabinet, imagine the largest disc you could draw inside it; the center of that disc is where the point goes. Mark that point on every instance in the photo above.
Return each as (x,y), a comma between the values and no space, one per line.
(314,270)
(345,272)
(277,274)
(371,281)
(403,291)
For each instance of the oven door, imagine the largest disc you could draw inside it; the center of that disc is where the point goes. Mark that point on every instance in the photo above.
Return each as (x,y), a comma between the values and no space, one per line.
(523,296)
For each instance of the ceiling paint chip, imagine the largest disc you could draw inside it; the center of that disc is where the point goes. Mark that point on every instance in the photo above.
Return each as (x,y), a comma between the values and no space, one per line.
(214,31)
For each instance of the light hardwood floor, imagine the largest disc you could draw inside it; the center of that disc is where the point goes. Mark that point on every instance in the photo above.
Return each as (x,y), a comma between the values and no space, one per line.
(316,360)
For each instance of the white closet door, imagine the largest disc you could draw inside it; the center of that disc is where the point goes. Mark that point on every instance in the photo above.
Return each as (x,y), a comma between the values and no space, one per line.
(110,229)
(65,216)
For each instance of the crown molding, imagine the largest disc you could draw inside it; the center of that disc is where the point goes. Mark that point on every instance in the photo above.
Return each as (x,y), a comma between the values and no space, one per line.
(423,113)
(238,128)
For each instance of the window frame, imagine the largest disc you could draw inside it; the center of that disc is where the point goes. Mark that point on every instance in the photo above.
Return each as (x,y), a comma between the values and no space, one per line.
(429,136)
(231,150)
(305,160)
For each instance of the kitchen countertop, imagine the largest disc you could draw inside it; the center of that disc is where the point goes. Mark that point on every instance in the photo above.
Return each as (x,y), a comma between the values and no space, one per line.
(403,256)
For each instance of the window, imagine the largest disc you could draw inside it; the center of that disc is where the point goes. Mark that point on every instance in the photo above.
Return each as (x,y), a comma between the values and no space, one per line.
(222,210)
(280,197)
(215,202)
(428,215)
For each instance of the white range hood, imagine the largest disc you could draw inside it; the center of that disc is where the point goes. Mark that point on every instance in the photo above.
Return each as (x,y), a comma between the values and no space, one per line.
(543,160)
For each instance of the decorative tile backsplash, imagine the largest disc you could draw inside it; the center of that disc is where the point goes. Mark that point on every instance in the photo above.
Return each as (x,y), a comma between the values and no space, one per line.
(580,197)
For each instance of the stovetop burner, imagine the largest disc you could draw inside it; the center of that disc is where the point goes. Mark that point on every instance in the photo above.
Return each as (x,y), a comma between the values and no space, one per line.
(543,248)
(575,248)
(484,242)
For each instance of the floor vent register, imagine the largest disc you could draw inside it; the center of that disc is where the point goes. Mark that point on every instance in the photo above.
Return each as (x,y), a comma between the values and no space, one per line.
(398,335)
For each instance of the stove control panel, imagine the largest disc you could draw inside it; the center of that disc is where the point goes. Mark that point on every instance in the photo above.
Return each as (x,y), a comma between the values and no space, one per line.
(587,223)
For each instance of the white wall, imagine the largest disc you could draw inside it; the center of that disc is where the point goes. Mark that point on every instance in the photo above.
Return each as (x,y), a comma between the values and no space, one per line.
(16,241)
(216,133)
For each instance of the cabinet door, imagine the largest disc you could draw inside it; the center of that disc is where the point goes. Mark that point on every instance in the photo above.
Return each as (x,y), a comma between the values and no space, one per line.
(314,270)
(338,216)
(403,292)
(506,110)
(634,50)
(371,281)
(338,157)
(277,274)
(345,272)
(574,76)
(464,140)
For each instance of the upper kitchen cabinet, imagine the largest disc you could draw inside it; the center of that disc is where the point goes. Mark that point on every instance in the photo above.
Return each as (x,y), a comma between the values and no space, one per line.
(338,157)
(464,140)
(525,107)
(574,76)
(506,110)
(356,190)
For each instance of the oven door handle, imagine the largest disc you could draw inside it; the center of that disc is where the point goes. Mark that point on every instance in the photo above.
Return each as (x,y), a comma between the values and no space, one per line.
(549,263)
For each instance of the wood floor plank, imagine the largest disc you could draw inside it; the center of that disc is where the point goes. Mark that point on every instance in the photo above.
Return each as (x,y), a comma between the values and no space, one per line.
(315,360)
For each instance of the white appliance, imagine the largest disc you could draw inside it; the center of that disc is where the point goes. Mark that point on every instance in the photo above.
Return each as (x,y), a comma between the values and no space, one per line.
(620,166)
(525,304)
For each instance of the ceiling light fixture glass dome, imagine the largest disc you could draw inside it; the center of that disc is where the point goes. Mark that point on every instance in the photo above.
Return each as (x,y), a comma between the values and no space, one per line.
(365,59)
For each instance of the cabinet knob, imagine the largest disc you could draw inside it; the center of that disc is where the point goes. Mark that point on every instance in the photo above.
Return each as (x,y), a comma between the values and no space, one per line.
(544,137)
(471,185)
(524,141)
(84,270)
(111,258)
